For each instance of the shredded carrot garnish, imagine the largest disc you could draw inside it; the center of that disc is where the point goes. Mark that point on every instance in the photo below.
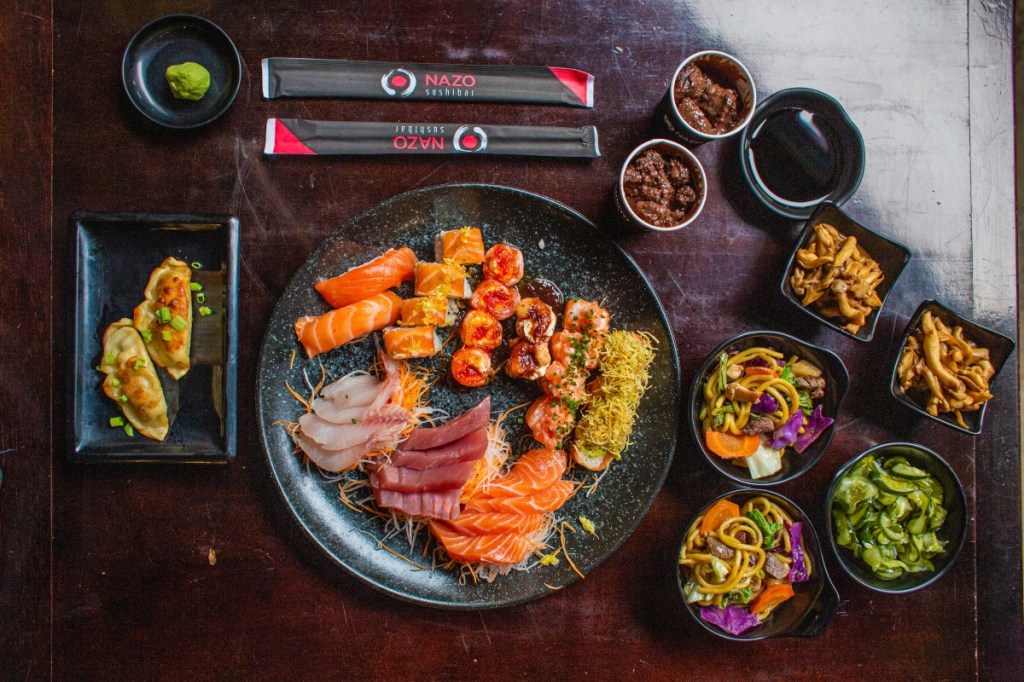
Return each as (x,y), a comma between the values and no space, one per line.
(298,397)
(291,363)
(403,557)
(552,587)
(565,551)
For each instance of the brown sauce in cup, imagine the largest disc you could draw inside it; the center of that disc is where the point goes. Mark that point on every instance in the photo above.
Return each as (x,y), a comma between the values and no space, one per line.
(706,100)
(662,189)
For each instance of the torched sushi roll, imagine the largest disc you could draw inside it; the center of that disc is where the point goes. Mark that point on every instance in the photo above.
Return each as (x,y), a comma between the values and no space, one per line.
(495,298)
(435,311)
(527,360)
(535,320)
(442,279)
(405,343)
(504,264)
(480,330)
(471,367)
(464,246)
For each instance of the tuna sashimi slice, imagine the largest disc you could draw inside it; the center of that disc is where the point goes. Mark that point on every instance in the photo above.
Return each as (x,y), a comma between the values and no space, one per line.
(406,480)
(470,420)
(434,505)
(503,548)
(548,500)
(534,471)
(491,523)
(470,447)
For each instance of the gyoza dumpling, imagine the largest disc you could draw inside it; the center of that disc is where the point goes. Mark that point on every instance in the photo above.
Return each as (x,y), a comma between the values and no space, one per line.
(131,380)
(165,317)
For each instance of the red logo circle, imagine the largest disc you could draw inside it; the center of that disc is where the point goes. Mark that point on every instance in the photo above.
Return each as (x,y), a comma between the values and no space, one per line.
(399,81)
(469,141)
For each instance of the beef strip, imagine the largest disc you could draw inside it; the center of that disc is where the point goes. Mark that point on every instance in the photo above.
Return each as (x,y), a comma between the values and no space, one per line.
(776,567)
(720,549)
(758,425)
(815,386)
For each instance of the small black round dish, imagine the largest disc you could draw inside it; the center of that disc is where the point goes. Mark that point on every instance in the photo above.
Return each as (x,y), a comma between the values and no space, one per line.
(953,530)
(814,602)
(799,149)
(174,39)
(837,381)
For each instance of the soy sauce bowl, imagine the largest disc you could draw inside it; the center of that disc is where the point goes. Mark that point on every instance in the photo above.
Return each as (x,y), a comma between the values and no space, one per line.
(799,149)
(794,464)
(815,601)
(953,530)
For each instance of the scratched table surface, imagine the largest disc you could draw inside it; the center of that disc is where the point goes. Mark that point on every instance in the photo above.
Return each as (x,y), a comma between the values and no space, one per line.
(106,570)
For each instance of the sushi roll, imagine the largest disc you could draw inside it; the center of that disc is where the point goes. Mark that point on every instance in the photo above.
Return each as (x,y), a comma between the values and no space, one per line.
(404,343)
(464,246)
(442,279)
(435,311)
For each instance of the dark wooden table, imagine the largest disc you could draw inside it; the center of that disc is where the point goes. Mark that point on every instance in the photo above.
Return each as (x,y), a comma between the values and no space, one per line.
(105,571)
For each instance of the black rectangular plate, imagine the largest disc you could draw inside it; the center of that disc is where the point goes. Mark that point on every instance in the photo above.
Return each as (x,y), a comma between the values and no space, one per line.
(111,257)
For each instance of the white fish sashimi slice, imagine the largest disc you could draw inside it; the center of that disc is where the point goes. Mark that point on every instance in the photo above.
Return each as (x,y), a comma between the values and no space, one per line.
(328,410)
(352,390)
(377,427)
(330,460)
(390,386)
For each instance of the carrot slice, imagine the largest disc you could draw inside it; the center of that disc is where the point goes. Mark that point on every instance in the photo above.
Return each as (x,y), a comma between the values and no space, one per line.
(760,371)
(770,597)
(720,511)
(728,446)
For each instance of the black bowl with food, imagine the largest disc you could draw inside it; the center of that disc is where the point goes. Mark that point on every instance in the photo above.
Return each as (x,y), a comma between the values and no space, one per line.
(897,517)
(799,149)
(711,96)
(763,406)
(946,374)
(662,186)
(785,592)
(847,297)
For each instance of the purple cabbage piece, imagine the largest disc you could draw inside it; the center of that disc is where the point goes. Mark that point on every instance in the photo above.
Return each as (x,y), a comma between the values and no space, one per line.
(766,404)
(798,570)
(756,362)
(786,434)
(816,425)
(733,619)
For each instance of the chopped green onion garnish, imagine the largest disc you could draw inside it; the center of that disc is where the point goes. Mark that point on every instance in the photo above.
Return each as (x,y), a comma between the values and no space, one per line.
(195,286)
(115,382)
(122,398)
(139,363)
(165,335)
(129,430)
(204,311)
(201,297)
(116,421)
(164,315)
(147,335)
(178,323)
(109,358)
(196,265)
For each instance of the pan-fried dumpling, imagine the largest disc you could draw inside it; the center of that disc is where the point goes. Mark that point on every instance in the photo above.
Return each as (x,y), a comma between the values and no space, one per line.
(131,380)
(165,317)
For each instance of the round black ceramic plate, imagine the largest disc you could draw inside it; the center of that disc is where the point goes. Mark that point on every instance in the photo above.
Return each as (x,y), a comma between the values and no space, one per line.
(175,39)
(558,244)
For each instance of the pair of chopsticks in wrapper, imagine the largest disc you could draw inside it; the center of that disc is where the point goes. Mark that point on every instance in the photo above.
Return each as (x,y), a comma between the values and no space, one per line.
(439,82)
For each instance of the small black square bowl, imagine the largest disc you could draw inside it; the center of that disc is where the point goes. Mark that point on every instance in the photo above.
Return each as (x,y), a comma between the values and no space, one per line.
(793,464)
(892,258)
(953,530)
(815,601)
(1000,348)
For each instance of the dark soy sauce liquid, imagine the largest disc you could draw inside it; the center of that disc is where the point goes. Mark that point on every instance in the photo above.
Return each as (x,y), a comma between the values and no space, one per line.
(794,155)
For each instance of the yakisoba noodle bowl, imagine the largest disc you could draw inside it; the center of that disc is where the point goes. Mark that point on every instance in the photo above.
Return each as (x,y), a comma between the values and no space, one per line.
(750,567)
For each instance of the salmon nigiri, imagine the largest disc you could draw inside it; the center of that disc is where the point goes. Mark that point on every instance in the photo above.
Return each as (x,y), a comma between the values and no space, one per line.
(382,273)
(339,326)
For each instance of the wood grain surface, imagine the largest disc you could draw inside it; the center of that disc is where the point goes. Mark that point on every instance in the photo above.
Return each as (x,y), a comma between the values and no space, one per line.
(107,571)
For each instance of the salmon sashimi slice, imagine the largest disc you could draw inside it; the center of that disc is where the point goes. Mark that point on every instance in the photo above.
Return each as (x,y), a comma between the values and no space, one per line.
(542,502)
(472,419)
(404,343)
(442,279)
(492,523)
(339,326)
(404,480)
(533,472)
(384,272)
(469,448)
(464,246)
(502,548)
(442,504)
(427,310)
